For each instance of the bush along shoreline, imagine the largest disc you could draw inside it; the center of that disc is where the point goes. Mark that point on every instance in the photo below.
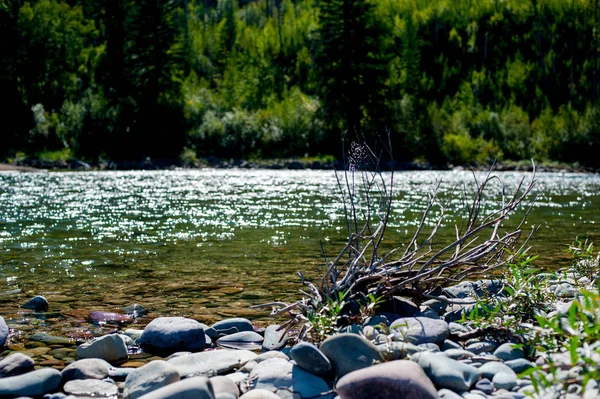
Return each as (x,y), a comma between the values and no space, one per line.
(525,333)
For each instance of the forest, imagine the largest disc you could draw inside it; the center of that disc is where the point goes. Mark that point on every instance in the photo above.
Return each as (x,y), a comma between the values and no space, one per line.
(450,81)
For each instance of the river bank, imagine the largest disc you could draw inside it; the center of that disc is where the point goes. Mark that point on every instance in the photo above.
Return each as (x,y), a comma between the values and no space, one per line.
(319,163)
(445,348)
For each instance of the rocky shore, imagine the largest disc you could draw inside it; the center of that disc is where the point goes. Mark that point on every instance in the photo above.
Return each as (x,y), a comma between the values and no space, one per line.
(430,351)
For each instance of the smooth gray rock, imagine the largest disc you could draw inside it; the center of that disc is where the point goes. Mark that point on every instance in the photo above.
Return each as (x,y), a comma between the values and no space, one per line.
(241,340)
(310,358)
(519,365)
(490,369)
(450,345)
(508,351)
(190,388)
(148,378)
(457,354)
(287,380)
(37,303)
(259,394)
(398,350)
(504,380)
(421,330)
(349,352)
(211,363)
(96,369)
(249,366)
(436,305)
(448,394)
(474,288)
(166,335)
(391,380)
(225,395)
(485,386)
(14,364)
(274,339)
(108,347)
(446,372)
(3,331)
(238,323)
(482,346)
(34,383)
(91,388)
(119,373)
(223,385)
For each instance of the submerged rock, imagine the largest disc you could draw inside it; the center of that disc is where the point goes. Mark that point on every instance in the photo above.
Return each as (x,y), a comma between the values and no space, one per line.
(37,303)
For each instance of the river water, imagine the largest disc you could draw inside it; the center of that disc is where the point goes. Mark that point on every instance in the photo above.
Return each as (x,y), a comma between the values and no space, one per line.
(209,243)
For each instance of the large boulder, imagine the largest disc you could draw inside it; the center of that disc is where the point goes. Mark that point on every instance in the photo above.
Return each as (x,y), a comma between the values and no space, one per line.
(167,335)
(34,383)
(397,379)
(108,347)
(349,352)
(148,378)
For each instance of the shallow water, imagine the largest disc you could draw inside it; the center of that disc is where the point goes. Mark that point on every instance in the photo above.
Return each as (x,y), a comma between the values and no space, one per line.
(209,243)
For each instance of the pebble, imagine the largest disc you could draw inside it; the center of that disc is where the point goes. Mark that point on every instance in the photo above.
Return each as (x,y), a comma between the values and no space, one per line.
(503,380)
(240,324)
(167,335)
(287,380)
(508,351)
(3,331)
(86,369)
(15,364)
(421,330)
(107,347)
(37,304)
(195,387)
(446,372)
(349,352)
(310,358)
(275,339)
(91,388)
(148,378)
(34,383)
(399,378)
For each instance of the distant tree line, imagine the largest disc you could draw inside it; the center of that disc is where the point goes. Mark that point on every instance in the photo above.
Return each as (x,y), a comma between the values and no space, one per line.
(456,81)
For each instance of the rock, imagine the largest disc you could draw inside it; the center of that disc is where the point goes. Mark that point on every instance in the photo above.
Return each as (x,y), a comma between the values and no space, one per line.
(508,351)
(592,389)
(37,303)
(50,339)
(274,339)
(34,383)
(15,364)
(485,386)
(457,354)
(196,388)
(519,365)
(447,373)
(241,340)
(91,388)
(225,395)
(211,363)
(287,380)
(148,378)
(430,347)
(310,358)
(398,350)
(119,373)
(448,394)
(96,369)
(450,345)
(166,335)
(108,347)
(489,370)
(109,317)
(135,310)
(259,394)
(429,313)
(504,380)
(349,352)
(482,346)
(400,306)
(224,385)
(391,380)
(238,323)
(248,367)
(3,331)
(456,312)
(474,289)
(420,330)
(370,332)
(436,305)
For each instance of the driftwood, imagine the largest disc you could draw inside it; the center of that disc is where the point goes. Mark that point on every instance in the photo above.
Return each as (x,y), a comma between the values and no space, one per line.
(420,269)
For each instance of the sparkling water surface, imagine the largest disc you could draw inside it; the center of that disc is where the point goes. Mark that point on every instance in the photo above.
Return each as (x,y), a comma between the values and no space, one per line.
(209,243)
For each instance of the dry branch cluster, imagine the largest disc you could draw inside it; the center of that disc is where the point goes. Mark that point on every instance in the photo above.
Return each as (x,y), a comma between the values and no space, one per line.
(420,269)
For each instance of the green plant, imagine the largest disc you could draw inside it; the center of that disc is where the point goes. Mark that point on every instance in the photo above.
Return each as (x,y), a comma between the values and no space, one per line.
(585,264)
